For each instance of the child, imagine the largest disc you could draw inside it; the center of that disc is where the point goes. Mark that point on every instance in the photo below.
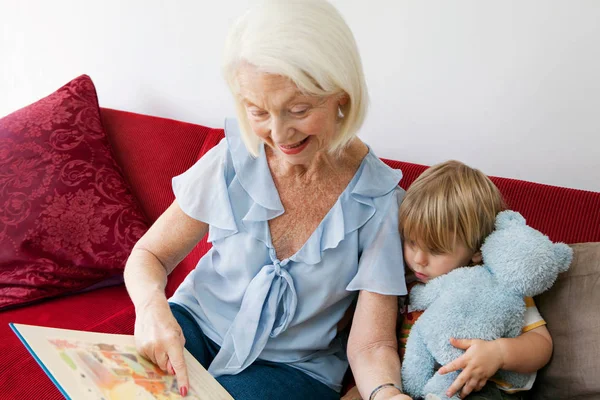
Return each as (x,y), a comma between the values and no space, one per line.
(444,218)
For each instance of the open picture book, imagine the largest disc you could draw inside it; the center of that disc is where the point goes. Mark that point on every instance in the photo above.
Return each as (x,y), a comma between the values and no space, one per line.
(88,365)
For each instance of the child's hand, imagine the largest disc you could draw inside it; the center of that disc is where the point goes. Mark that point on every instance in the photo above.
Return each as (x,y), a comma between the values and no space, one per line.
(482,359)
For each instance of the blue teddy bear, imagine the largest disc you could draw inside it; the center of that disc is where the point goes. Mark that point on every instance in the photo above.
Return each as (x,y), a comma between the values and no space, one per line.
(481,302)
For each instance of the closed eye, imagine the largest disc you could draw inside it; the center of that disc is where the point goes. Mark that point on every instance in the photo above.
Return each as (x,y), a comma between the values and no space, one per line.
(299,111)
(258,113)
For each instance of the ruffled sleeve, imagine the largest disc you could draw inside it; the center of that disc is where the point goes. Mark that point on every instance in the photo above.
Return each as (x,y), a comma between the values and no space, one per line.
(381,263)
(202,192)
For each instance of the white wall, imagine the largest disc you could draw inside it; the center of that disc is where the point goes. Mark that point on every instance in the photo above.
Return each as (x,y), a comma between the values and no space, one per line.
(511,87)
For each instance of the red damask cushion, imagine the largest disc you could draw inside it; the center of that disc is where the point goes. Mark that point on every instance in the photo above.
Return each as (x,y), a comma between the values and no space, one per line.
(68,219)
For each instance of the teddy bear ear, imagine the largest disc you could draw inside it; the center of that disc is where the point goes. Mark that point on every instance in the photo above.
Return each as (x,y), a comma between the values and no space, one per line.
(508,218)
(564,254)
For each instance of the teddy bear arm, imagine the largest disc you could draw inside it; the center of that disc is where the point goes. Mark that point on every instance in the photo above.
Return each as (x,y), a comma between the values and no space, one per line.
(422,296)
(514,323)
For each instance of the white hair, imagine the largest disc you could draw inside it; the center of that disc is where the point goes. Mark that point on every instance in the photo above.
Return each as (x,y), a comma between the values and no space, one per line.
(308,42)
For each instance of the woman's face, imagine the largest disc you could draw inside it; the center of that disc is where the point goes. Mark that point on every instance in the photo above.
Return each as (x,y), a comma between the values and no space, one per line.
(294,125)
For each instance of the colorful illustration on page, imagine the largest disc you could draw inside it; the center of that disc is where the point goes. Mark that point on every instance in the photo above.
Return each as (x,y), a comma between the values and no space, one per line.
(111,372)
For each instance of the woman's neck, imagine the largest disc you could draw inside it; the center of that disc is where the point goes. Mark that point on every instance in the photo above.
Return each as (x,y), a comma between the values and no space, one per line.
(323,166)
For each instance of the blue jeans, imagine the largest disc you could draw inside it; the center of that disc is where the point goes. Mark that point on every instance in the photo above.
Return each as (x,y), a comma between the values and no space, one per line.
(263,380)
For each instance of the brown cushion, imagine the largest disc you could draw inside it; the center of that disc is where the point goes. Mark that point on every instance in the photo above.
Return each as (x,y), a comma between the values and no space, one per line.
(572,310)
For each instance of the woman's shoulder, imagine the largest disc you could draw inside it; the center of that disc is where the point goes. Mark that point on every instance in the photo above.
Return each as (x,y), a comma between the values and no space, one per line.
(248,167)
(374,198)
(376,178)
(356,151)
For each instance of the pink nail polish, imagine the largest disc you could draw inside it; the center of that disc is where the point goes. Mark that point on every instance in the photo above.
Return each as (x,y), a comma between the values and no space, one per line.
(183,391)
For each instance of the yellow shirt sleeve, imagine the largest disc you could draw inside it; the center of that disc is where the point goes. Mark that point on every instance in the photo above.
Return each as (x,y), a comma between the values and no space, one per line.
(533,318)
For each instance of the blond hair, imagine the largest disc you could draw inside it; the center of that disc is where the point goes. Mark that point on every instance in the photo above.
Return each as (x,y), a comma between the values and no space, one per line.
(308,42)
(450,204)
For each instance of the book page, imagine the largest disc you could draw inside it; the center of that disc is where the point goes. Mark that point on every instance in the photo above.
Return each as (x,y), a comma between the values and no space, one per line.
(107,367)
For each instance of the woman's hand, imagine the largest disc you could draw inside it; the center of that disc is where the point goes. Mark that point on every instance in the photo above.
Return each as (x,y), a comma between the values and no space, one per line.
(159,338)
(353,394)
(481,360)
(401,397)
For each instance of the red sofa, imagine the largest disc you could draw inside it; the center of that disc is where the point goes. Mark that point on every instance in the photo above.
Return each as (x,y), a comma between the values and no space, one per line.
(151,151)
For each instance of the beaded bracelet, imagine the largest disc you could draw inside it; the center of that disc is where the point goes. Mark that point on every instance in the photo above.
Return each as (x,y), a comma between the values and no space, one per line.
(381,387)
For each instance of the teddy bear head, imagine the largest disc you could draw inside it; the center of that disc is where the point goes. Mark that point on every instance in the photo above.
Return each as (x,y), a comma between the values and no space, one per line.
(521,258)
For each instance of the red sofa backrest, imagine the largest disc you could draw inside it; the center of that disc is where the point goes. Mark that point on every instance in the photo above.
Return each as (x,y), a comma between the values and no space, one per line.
(152,150)
(565,215)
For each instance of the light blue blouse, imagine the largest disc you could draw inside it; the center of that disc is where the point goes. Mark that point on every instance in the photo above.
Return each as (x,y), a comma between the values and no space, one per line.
(256,306)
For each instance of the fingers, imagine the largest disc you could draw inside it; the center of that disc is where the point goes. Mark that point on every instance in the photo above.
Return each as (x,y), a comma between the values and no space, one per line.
(147,351)
(459,363)
(473,385)
(178,364)
(162,344)
(161,358)
(466,383)
(461,343)
(480,385)
(468,388)
(458,383)
(171,361)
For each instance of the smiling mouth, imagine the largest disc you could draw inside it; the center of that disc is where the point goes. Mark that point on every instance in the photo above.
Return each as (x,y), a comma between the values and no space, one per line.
(295,145)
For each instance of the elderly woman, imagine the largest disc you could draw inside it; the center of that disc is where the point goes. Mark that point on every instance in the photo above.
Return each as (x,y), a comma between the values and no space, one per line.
(302,217)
